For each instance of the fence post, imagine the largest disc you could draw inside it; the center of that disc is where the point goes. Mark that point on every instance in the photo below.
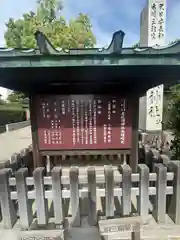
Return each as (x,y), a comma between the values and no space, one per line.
(41,202)
(15,161)
(136,235)
(74,193)
(92,217)
(30,160)
(5,164)
(7,206)
(174,208)
(155,158)
(159,212)
(25,158)
(126,189)
(57,195)
(25,208)
(23,154)
(48,163)
(109,191)
(143,198)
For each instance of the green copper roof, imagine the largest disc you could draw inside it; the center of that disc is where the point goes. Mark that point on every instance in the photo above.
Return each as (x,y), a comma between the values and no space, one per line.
(45,48)
(82,70)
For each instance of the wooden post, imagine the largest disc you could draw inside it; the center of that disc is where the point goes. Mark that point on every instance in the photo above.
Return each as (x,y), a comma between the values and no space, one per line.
(135,134)
(92,216)
(41,202)
(25,208)
(7,206)
(37,157)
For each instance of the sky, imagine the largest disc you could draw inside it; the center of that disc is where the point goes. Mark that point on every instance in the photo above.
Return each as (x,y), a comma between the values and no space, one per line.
(106,17)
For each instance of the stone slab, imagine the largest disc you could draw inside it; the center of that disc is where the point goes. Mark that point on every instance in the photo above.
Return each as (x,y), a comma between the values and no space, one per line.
(113,229)
(35,235)
(50,233)
(42,235)
(120,227)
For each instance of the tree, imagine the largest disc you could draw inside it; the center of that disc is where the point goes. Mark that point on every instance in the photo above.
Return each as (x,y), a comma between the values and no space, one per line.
(2,102)
(16,97)
(172,112)
(48,19)
(136,45)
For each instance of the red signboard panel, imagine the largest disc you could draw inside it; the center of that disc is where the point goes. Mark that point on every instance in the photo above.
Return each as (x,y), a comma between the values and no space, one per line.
(68,122)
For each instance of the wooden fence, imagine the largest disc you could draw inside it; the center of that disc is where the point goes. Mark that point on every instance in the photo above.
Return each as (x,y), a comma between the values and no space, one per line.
(113,185)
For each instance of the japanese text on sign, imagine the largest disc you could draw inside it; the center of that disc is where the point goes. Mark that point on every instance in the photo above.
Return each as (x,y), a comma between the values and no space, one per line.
(161,23)
(154,108)
(83,122)
(157,22)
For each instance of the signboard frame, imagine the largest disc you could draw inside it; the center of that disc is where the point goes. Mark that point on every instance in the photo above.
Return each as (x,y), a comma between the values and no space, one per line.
(108,122)
(39,157)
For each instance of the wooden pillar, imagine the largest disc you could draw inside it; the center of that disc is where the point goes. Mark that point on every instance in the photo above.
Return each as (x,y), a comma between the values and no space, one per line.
(37,157)
(135,137)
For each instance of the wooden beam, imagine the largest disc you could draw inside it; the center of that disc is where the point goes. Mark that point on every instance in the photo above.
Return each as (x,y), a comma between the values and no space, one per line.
(37,157)
(135,135)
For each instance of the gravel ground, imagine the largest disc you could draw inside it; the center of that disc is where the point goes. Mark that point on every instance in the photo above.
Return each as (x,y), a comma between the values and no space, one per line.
(11,142)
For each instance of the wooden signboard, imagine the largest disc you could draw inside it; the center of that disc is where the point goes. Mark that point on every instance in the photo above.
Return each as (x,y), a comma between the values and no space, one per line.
(70,122)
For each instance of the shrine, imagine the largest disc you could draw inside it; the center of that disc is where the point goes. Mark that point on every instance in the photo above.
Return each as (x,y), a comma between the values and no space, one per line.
(86,100)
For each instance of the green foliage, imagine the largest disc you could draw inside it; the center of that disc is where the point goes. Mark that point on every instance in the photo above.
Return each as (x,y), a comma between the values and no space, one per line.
(16,97)
(47,18)
(2,102)
(172,111)
(136,45)
(20,34)
(9,114)
(12,111)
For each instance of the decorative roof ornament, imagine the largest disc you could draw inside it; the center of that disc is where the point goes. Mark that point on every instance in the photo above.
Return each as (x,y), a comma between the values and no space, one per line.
(46,48)
(117,42)
(44,45)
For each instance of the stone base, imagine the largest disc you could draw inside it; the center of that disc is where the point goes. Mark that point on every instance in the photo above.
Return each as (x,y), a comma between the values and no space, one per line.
(32,235)
(84,232)
(120,228)
(117,229)
(42,235)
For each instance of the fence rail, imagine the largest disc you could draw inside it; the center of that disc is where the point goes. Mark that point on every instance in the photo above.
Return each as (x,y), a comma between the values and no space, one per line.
(116,189)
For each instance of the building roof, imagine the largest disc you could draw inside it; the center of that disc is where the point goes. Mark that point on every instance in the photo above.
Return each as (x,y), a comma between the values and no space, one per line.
(48,69)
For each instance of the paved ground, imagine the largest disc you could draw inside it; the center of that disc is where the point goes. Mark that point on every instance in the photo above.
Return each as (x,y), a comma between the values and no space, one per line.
(77,233)
(11,142)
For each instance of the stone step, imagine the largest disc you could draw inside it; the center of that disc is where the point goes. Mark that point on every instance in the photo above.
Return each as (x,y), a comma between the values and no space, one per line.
(68,233)
(121,228)
(149,230)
